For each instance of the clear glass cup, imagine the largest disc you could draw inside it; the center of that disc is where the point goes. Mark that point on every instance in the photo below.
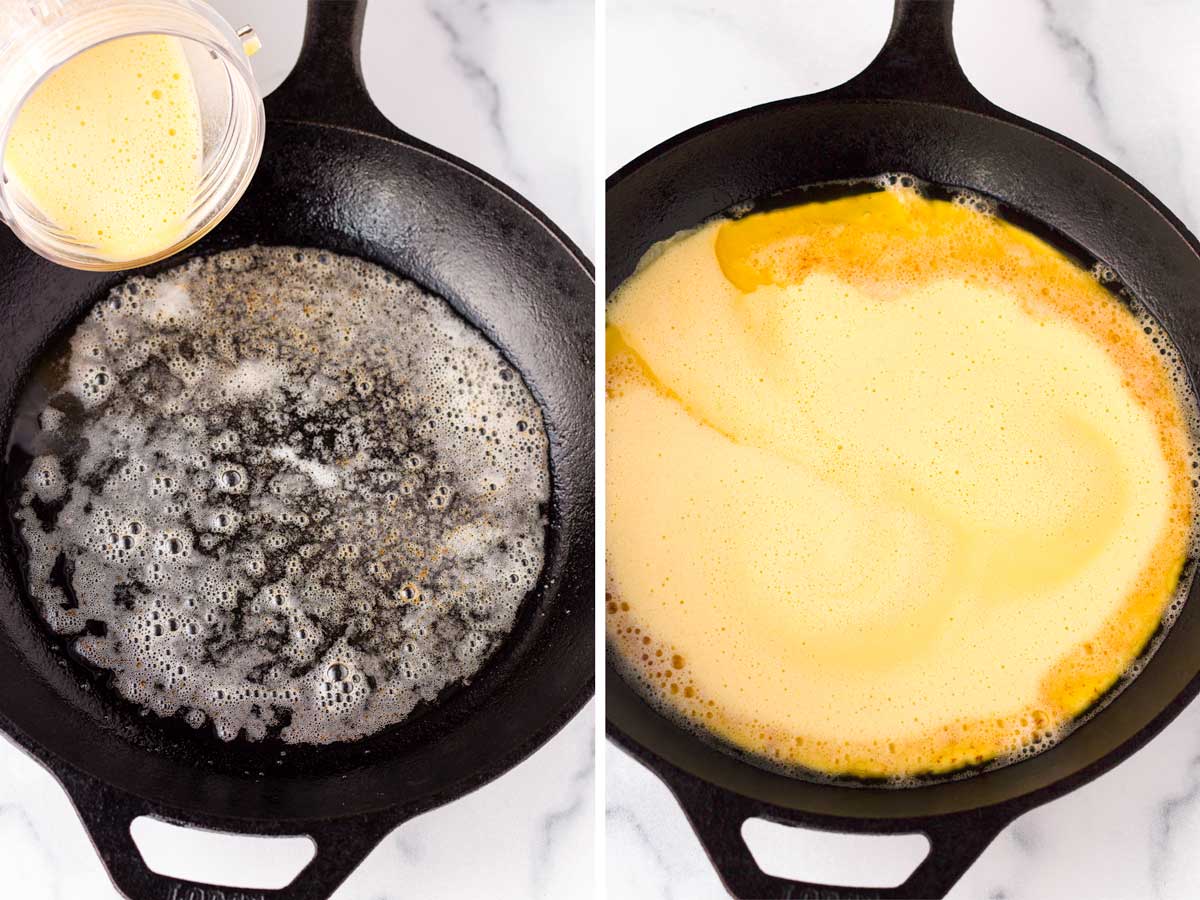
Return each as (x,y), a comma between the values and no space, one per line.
(37,36)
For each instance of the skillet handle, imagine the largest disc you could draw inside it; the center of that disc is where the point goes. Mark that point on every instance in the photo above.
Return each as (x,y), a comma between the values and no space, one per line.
(107,813)
(717,817)
(917,61)
(326,84)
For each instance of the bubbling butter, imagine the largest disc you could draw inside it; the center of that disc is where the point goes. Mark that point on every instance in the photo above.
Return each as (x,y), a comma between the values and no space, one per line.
(280,492)
(109,147)
(893,487)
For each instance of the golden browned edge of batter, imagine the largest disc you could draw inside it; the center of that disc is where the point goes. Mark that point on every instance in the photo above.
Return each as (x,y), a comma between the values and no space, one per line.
(901,246)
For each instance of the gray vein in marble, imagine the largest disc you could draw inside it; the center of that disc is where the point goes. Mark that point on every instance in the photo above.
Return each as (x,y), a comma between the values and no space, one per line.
(1170,152)
(1169,811)
(1071,43)
(478,75)
(409,850)
(27,824)
(626,816)
(580,785)
(1024,835)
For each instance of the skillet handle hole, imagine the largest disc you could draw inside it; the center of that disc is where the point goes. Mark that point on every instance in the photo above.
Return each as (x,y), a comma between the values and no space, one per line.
(213,857)
(825,857)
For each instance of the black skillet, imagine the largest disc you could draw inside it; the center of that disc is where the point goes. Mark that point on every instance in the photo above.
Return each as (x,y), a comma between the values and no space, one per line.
(335,174)
(912,110)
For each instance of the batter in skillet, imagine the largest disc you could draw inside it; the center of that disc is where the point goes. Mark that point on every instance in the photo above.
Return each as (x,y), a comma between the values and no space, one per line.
(893,487)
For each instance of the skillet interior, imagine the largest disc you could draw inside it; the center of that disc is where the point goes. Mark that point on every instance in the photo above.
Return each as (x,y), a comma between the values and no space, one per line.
(767,150)
(530,292)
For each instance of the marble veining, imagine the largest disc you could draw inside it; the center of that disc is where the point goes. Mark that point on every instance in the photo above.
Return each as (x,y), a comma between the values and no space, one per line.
(558,823)
(1118,78)
(469,77)
(506,85)
(475,71)
(1171,825)
(1070,44)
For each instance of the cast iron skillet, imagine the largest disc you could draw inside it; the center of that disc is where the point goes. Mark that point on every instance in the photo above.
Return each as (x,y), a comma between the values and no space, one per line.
(912,110)
(335,174)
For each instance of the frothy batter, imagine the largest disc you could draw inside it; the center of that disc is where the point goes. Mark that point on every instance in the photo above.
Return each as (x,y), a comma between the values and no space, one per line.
(893,487)
(281,492)
(109,146)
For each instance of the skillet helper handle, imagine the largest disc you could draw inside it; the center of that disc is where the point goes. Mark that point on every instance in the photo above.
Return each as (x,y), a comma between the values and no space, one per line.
(717,817)
(107,814)
(917,61)
(326,85)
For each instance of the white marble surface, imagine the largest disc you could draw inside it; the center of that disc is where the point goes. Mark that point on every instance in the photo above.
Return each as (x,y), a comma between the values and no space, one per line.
(1118,77)
(508,86)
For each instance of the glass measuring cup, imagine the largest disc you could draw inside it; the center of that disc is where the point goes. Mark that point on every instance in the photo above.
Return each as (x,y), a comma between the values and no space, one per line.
(39,36)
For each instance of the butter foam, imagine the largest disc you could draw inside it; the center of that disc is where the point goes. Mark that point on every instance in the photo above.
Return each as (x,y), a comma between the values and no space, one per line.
(280,493)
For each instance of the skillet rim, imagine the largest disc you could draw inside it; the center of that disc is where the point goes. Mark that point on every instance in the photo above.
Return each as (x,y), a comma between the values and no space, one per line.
(75,777)
(680,779)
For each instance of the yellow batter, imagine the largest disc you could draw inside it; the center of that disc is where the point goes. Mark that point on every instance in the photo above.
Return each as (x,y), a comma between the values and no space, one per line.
(893,487)
(109,147)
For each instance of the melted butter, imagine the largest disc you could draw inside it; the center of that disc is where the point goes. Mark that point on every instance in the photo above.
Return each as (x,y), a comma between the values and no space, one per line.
(109,146)
(893,487)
